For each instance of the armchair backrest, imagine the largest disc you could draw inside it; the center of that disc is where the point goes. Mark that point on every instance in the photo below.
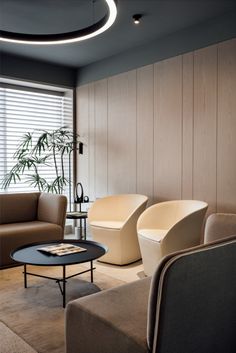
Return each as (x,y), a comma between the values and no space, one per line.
(219,225)
(192,301)
(186,232)
(115,207)
(164,215)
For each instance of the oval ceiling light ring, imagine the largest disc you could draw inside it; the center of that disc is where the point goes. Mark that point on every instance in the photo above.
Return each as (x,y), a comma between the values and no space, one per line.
(65,38)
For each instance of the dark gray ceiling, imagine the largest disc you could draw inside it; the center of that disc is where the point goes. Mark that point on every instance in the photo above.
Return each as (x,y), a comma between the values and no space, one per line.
(160,18)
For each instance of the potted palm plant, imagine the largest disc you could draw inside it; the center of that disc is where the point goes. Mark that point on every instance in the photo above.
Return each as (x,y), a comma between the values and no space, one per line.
(35,151)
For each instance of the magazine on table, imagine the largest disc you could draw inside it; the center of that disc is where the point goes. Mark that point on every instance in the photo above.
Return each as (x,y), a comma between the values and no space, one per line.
(62,249)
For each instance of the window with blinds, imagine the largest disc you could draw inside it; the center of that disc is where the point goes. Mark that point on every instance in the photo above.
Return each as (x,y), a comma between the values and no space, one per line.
(26,110)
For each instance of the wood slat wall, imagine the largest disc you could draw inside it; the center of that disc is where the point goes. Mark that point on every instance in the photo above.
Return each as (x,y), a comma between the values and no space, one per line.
(166,130)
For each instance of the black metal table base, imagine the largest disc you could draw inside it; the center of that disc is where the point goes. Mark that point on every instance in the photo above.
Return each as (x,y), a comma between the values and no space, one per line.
(62,280)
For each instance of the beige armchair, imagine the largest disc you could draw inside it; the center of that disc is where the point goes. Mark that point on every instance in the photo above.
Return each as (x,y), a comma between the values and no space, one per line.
(112,221)
(27,218)
(219,225)
(167,227)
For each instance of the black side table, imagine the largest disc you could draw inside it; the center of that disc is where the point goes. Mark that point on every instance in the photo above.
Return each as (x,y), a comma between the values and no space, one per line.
(82,216)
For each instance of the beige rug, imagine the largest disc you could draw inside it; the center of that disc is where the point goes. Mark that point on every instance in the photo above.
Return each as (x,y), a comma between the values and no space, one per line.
(36,313)
(12,343)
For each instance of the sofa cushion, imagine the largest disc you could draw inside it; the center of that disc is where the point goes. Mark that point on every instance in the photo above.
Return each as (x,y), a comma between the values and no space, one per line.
(18,234)
(110,321)
(20,207)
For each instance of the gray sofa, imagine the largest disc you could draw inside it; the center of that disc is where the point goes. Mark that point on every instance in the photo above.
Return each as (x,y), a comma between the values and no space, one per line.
(188,306)
(28,218)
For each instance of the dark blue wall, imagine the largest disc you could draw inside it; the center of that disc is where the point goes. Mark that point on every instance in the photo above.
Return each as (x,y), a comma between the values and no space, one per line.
(202,35)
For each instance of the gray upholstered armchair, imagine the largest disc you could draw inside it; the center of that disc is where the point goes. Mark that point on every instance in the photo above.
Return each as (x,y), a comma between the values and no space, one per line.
(187,306)
(28,218)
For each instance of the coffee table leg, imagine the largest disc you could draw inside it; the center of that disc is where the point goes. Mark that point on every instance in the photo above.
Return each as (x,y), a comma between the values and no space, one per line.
(91,270)
(25,276)
(64,286)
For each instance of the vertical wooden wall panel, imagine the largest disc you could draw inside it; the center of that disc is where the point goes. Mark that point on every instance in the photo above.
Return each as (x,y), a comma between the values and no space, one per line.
(101,187)
(168,129)
(91,145)
(145,131)
(83,130)
(226,161)
(187,171)
(169,132)
(205,103)
(122,133)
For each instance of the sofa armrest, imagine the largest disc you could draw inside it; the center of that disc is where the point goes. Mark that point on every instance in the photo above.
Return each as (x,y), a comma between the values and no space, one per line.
(52,209)
(114,320)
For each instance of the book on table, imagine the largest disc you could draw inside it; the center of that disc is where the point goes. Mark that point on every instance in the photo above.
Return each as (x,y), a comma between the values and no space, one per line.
(62,249)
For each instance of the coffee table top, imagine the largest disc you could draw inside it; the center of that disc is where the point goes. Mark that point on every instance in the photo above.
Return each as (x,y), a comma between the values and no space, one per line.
(29,254)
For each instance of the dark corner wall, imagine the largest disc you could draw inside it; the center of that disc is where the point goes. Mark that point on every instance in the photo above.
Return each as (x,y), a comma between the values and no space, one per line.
(21,68)
(196,37)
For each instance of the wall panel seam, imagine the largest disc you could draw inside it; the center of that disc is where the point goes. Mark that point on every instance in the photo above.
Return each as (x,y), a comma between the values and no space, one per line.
(182,120)
(193,125)
(153,125)
(136,119)
(217,121)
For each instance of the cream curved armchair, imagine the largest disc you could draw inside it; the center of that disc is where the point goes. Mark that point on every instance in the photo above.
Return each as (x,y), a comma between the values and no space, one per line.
(167,227)
(113,221)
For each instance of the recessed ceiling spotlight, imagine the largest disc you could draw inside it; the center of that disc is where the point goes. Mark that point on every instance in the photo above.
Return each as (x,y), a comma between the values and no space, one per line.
(136,18)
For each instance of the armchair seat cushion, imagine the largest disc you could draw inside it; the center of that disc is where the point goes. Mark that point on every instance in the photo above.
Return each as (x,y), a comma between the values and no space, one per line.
(106,319)
(153,234)
(107,224)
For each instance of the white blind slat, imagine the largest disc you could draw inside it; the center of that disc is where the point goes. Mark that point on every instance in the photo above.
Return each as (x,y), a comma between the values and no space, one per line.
(25,111)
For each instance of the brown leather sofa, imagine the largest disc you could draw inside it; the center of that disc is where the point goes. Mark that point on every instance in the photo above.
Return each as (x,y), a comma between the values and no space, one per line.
(28,218)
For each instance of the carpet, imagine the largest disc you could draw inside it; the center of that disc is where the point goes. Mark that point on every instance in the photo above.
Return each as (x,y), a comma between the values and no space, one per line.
(12,343)
(36,313)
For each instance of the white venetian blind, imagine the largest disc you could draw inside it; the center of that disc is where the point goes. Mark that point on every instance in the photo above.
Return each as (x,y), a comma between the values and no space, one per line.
(25,109)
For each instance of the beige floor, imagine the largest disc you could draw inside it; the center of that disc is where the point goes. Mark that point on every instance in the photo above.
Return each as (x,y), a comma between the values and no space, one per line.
(127,273)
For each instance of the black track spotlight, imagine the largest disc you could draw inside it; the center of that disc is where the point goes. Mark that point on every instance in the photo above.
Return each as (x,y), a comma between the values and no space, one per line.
(136,19)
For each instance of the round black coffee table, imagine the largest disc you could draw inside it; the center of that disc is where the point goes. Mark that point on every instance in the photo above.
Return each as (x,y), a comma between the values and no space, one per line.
(31,255)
